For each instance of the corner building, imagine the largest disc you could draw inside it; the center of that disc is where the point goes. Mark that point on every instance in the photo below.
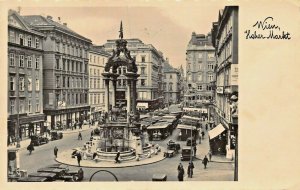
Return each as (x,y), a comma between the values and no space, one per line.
(200,63)
(65,72)
(25,78)
(225,41)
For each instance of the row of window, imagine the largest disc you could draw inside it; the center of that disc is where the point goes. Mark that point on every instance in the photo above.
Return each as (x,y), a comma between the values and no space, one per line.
(22,109)
(210,66)
(96,83)
(70,50)
(72,99)
(24,41)
(22,83)
(70,82)
(70,65)
(200,56)
(96,71)
(97,59)
(24,61)
(96,99)
(210,77)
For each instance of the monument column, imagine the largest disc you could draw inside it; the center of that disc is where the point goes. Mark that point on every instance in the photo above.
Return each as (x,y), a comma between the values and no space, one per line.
(106,94)
(134,95)
(129,96)
(114,82)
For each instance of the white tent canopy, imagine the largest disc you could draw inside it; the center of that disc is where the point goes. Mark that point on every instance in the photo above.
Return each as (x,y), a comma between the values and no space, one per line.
(216,131)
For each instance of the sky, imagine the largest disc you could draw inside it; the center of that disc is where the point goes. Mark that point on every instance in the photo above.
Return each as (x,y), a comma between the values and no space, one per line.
(168,27)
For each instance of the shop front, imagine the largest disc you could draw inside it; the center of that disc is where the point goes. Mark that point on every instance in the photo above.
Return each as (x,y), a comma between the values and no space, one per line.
(218,140)
(64,118)
(28,125)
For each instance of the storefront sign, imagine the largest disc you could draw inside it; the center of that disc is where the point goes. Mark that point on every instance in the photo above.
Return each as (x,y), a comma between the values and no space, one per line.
(234,74)
(220,89)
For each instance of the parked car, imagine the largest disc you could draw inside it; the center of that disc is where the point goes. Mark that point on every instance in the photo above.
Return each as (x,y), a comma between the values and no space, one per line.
(173,146)
(186,153)
(38,140)
(191,141)
(55,135)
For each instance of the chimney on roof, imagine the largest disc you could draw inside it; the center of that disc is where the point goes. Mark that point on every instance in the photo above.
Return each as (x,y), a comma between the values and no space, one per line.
(49,17)
(65,24)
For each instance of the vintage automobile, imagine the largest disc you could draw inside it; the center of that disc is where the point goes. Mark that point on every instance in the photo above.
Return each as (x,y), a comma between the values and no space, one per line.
(38,140)
(191,141)
(55,135)
(173,146)
(186,153)
(159,177)
(32,179)
(49,176)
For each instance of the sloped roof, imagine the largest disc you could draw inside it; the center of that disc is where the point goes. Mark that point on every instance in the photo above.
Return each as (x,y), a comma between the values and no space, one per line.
(21,23)
(40,22)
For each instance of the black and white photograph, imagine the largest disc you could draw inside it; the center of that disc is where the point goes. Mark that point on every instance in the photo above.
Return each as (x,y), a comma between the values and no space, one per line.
(147,91)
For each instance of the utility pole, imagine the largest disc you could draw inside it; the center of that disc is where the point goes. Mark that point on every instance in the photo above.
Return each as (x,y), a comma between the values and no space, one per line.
(18,109)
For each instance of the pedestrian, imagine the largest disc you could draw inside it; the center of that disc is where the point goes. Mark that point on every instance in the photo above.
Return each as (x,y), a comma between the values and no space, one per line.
(55,151)
(117,157)
(195,150)
(92,133)
(190,169)
(78,155)
(202,133)
(79,175)
(30,148)
(209,155)
(206,127)
(79,136)
(205,161)
(180,172)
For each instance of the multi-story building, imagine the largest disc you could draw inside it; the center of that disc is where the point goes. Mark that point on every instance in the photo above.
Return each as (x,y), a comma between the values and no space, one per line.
(225,41)
(148,60)
(199,70)
(65,71)
(171,84)
(25,78)
(97,60)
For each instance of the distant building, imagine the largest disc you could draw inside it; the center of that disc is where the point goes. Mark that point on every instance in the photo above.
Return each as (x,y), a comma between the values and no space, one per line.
(171,84)
(25,78)
(148,60)
(65,72)
(97,60)
(225,41)
(199,70)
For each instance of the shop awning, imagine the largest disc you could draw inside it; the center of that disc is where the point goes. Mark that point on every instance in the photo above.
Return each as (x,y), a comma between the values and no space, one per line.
(216,131)
(186,127)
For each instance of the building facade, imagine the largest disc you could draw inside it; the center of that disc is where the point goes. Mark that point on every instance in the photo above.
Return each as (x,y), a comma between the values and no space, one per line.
(225,41)
(200,63)
(25,78)
(148,61)
(65,71)
(171,84)
(97,60)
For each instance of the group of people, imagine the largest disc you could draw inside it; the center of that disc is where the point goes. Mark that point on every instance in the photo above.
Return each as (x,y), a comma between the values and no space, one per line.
(190,169)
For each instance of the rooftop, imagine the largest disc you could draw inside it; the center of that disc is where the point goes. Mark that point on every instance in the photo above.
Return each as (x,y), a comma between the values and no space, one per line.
(40,22)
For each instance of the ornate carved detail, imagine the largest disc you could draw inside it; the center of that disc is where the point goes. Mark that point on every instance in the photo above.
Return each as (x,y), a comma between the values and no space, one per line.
(121,56)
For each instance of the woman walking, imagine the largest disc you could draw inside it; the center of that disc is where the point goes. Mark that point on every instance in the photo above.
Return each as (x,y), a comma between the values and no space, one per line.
(205,161)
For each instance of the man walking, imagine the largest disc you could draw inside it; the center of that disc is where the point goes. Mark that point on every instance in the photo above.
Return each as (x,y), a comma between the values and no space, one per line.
(78,158)
(55,151)
(195,150)
(205,161)
(117,157)
(190,169)
(79,136)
